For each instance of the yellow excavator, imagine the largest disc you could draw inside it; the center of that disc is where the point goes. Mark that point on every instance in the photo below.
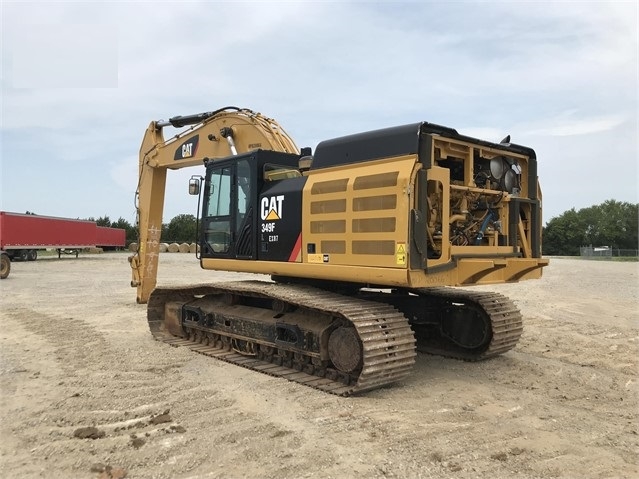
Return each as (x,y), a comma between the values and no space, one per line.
(366,241)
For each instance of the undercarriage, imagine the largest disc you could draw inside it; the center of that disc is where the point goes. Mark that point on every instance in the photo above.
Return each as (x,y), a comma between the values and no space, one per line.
(341,344)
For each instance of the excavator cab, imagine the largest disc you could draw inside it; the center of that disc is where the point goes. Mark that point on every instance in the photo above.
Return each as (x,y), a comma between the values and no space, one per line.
(243,194)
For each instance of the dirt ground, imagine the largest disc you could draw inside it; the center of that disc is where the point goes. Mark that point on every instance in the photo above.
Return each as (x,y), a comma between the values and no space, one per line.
(86,392)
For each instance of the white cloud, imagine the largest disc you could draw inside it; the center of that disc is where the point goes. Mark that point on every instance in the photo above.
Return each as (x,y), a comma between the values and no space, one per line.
(72,56)
(491,134)
(561,77)
(572,124)
(124,174)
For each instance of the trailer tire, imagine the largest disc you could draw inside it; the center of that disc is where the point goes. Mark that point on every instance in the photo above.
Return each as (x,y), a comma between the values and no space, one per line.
(32,255)
(5,265)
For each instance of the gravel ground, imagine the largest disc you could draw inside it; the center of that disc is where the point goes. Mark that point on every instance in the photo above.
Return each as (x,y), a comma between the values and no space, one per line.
(86,392)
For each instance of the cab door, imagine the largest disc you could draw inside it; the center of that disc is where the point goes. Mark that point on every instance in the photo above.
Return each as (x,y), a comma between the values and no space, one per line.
(228,221)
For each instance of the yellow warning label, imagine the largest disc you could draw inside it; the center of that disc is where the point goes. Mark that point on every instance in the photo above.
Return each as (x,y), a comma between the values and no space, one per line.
(315,258)
(400,256)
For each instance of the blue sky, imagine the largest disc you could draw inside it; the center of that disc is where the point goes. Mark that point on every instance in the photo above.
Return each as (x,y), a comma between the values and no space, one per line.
(82,80)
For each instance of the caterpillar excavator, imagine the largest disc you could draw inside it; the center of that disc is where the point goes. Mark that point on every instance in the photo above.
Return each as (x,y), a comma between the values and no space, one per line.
(366,241)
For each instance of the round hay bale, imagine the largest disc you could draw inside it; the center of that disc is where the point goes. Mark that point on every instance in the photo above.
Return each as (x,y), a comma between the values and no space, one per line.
(133,247)
(174,248)
(164,247)
(184,248)
(193,248)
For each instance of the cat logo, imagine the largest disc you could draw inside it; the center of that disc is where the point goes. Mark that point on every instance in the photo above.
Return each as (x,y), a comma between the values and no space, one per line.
(188,149)
(271,208)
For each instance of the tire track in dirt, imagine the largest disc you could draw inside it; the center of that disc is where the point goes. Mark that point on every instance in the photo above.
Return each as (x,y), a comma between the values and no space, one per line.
(125,406)
(549,408)
(527,430)
(612,349)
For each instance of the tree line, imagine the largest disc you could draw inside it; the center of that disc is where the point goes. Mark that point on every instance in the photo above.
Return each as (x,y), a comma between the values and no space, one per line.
(612,223)
(181,229)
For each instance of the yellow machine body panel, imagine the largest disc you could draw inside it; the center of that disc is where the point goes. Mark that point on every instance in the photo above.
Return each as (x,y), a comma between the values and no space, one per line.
(357,215)
(356,225)
(355,218)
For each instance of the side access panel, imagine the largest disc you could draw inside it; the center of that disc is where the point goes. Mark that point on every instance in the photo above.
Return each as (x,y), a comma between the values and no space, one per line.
(280,224)
(358,214)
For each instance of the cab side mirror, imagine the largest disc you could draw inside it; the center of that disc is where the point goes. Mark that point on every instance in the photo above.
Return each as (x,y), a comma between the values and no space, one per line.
(194,186)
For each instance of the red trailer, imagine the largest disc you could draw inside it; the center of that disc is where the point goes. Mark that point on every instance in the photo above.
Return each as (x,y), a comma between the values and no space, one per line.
(110,238)
(21,236)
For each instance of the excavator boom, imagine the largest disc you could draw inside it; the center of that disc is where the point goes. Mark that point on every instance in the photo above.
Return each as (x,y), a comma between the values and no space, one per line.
(210,135)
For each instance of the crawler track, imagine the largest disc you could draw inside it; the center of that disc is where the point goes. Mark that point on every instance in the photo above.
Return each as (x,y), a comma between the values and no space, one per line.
(501,313)
(386,339)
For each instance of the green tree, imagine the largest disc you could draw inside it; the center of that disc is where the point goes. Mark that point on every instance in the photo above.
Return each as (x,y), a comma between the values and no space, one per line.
(612,223)
(563,235)
(103,221)
(131,231)
(618,224)
(181,229)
